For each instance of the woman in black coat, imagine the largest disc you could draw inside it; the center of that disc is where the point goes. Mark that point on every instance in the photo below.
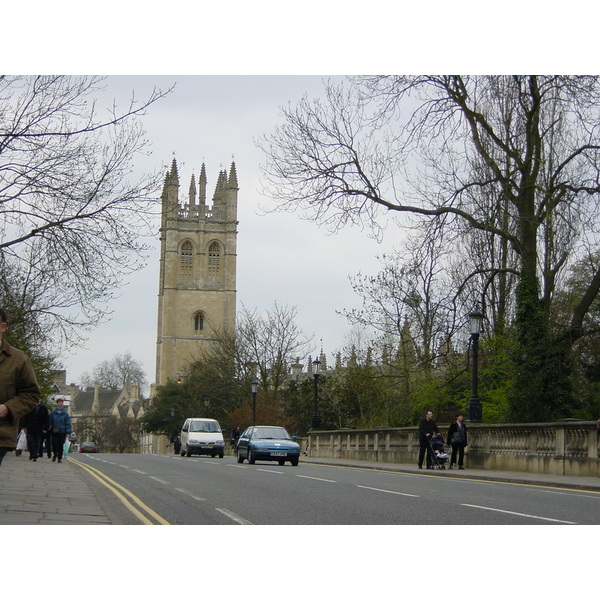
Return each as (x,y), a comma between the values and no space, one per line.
(457,438)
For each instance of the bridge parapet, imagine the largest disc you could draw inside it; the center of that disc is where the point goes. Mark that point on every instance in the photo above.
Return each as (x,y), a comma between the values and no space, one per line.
(564,447)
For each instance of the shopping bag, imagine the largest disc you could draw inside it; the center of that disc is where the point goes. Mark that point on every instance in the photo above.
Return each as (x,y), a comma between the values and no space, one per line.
(22,441)
(66,448)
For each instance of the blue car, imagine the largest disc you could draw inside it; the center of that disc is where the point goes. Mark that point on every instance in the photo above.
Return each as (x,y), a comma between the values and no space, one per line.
(261,442)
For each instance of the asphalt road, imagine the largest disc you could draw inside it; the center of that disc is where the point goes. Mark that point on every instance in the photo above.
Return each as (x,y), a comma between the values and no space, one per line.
(137,488)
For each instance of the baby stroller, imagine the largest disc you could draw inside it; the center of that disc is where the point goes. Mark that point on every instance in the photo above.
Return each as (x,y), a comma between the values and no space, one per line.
(439,455)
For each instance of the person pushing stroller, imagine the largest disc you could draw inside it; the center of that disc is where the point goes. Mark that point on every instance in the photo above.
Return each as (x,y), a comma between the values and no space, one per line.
(438,452)
(427,428)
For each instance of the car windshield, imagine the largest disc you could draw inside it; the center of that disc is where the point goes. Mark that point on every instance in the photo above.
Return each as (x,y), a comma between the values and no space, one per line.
(271,433)
(207,426)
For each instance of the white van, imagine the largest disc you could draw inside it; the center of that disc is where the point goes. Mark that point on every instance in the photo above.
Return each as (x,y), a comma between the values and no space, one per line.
(202,436)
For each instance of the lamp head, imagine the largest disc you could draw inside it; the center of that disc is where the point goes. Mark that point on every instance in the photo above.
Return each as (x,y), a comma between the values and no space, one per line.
(475,318)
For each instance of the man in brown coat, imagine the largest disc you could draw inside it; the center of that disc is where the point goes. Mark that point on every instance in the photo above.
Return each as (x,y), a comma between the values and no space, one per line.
(19,391)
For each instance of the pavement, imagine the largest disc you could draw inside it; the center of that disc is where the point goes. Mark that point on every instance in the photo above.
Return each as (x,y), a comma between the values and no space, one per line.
(47,493)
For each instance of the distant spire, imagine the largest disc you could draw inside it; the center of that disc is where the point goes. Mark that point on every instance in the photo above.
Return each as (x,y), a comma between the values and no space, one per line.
(202,185)
(171,178)
(221,183)
(166,181)
(174,172)
(223,178)
(232,182)
(192,200)
(323,360)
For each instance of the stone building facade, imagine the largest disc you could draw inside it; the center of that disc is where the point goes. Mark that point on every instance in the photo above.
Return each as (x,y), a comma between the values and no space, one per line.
(197,279)
(93,411)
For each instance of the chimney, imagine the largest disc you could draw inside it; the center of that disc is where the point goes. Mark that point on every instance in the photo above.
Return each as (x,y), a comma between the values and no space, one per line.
(134,393)
(96,402)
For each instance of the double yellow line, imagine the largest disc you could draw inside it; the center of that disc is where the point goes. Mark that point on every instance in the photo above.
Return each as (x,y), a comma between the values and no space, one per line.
(114,487)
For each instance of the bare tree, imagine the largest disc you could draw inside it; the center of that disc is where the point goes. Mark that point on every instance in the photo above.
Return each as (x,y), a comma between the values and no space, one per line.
(413,292)
(120,372)
(262,348)
(72,219)
(514,158)
(269,344)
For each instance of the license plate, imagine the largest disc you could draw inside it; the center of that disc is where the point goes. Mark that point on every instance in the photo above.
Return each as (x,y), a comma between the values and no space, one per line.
(278,453)
(206,447)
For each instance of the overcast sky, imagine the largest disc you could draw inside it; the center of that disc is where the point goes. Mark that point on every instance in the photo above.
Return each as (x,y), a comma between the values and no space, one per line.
(281,257)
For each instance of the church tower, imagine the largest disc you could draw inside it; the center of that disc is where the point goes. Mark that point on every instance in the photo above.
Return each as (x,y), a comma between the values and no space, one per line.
(197,280)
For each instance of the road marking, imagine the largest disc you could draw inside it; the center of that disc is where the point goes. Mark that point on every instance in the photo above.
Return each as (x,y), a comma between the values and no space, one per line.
(191,495)
(317,478)
(270,471)
(457,477)
(238,466)
(365,487)
(239,520)
(140,472)
(113,485)
(568,494)
(124,467)
(510,512)
(159,480)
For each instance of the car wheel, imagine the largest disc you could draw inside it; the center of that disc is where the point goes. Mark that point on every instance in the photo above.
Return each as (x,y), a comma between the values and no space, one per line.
(240,458)
(221,455)
(251,457)
(281,462)
(294,462)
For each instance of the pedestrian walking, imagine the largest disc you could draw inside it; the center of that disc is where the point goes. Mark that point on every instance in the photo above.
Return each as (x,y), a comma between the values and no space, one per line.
(19,390)
(177,444)
(233,439)
(60,426)
(457,438)
(427,428)
(35,424)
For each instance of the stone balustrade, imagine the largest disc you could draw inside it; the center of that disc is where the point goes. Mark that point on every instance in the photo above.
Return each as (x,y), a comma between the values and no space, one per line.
(566,447)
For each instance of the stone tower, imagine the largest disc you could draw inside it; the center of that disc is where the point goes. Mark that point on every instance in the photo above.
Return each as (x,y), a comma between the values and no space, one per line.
(197,280)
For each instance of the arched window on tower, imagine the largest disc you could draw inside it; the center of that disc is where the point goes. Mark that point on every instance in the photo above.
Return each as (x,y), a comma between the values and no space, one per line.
(199,321)
(214,261)
(186,256)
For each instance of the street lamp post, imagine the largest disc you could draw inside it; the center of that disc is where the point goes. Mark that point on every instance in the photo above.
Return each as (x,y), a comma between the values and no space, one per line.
(316,419)
(474,411)
(254,387)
